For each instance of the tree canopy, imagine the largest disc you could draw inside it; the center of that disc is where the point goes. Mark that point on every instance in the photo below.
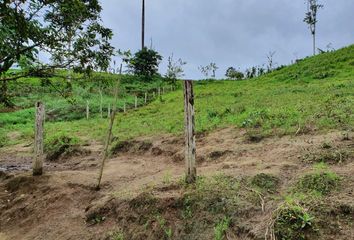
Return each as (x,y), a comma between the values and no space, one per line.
(145,63)
(69,32)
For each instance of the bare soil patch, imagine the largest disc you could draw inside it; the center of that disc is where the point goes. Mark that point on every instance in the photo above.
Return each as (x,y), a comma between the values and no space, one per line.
(142,195)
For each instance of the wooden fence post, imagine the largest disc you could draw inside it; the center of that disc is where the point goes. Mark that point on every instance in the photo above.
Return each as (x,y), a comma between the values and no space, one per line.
(163,90)
(136,101)
(87,110)
(109,111)
(146,96)
(38,141)
(191,171)
(153,94)
(101,103)
(125,107)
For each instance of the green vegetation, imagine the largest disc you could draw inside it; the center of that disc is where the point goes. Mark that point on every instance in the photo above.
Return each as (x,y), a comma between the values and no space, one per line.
(217,195)
(221,228)
(60,145)
(117,236)
(167,230)
(321,182)
(293,222)
(265,182)
(313,94)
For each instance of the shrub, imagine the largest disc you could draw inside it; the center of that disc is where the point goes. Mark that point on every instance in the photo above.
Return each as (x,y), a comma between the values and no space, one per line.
(60,145)
(322,182)
(292,222)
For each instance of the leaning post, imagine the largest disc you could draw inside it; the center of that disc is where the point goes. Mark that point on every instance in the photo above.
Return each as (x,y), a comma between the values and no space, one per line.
(38,141)
(190,151)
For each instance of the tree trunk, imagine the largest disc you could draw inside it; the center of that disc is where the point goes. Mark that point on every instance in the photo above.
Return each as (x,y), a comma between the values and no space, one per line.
(109,135)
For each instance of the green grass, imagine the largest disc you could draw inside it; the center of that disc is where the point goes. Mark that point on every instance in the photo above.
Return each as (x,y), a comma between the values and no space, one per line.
(317,93)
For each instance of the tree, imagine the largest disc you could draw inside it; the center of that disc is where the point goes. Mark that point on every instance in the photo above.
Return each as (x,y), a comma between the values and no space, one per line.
(311,19)
(206,70)
(232,73)
(270,58)
(70,32)
(174,69)
(145,63)
(213,69)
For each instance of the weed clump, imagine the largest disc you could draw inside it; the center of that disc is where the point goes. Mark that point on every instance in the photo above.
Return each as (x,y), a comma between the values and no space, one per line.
(130,146)
(218,194)
(266,182)
(60,145)
(221,228)
(293,222)
(254,136)
(3,140)
(320,182)
(327,155)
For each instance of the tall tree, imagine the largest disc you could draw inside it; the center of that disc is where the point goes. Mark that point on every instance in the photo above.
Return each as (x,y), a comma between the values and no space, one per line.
(143,25)
(70,32)
(311,19)
(144,63)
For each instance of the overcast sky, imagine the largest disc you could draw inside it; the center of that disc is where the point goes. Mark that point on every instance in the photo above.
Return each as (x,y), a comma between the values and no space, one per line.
(236,33)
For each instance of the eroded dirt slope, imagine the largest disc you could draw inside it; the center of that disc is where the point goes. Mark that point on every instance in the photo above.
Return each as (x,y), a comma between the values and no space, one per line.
(141,181)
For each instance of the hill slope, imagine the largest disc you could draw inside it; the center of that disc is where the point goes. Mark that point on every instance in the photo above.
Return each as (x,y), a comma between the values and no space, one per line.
(275,160)
(315,93)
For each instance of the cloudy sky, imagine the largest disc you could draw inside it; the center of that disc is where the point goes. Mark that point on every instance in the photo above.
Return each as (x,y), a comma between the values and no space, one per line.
(236,33)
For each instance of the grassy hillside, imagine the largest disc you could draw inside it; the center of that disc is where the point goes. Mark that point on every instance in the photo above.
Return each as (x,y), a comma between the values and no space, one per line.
(316,93)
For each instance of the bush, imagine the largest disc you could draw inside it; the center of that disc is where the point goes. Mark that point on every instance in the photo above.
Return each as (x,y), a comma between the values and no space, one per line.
(60,145)
(292,222)
(322,182)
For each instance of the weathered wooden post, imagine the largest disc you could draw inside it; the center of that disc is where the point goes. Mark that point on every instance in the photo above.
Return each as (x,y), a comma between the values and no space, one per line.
(125,107)
(159,92)
(136,101)
(87,110)
(101,103)
(38,140)
(109,111)
(146,96)
(191,170)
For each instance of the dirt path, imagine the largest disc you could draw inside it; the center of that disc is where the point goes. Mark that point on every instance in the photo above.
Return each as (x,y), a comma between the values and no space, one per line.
(53,206)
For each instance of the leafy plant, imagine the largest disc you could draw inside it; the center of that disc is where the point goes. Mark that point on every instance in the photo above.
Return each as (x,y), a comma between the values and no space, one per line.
(292,222)
(59,145)
(221,228)
(162,223)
